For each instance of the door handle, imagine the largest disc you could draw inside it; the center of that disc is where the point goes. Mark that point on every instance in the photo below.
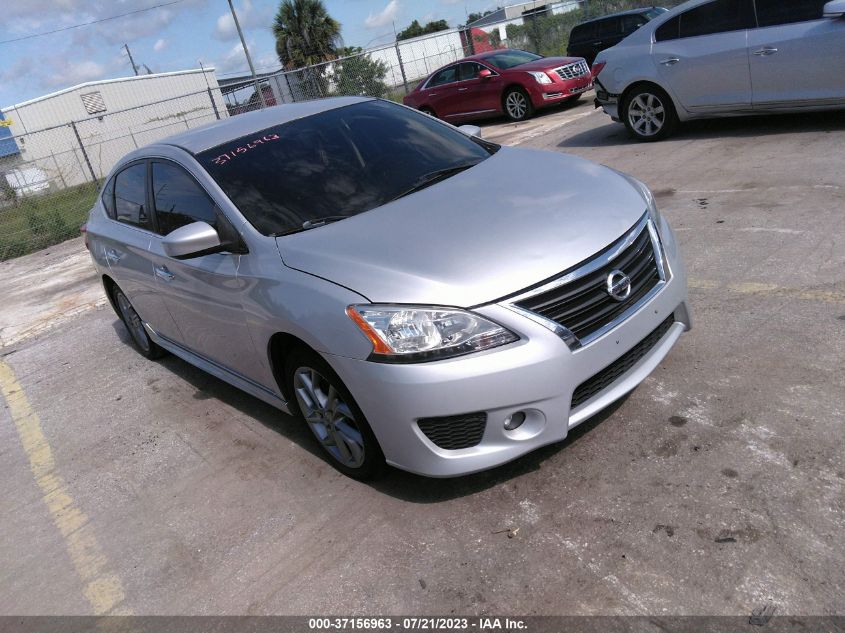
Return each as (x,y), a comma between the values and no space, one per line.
(670,61)
(162,273)
(766,50)
(432,94)
(112,255)
(462,89)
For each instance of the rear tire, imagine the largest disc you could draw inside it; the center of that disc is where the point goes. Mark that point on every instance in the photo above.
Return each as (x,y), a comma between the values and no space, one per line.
(319,397)
(140,339)
(648,113)
(517,104)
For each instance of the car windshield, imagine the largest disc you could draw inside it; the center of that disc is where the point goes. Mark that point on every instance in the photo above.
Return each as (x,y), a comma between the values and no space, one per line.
(511,58)
(337,164)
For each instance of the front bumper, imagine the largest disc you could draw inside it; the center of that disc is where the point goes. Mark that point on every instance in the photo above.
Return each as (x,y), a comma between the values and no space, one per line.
(536,375)
(544,95)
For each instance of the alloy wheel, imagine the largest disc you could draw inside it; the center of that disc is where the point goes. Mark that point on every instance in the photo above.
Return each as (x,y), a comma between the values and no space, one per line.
(516,104)
(329,416)
(133,322)
(646,114)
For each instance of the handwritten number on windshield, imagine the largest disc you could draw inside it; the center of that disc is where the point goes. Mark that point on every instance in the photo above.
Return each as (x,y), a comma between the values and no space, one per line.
(224,158)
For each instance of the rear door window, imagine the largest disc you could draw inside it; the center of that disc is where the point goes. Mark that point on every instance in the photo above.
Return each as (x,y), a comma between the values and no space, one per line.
(445,76)
(583,32)
(668,30)
(720,16)
(179,200)
(130,196)
(775,12)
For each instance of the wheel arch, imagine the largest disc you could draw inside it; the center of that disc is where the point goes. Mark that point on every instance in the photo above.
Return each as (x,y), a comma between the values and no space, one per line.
(279,348)
(109,285)
(623,96)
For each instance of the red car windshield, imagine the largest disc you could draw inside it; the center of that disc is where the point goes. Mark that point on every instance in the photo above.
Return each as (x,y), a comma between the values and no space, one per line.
(511,58)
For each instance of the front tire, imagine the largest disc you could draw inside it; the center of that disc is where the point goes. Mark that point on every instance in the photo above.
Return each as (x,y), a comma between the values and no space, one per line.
(140,339)
(320,398)
(517,104)
(649,114)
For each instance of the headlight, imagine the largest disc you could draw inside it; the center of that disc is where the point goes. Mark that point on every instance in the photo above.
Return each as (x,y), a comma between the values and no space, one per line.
(541,78)
(406,334)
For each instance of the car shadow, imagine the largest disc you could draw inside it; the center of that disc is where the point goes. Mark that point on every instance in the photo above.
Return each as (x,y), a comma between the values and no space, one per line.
(538,114)
(395,483)
(614,134)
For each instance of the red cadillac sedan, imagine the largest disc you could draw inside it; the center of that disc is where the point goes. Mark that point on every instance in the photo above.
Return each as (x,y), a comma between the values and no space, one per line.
(507,81)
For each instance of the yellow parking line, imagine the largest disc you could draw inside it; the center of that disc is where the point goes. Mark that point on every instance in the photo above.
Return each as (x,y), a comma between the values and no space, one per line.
(753,288)
(103,589)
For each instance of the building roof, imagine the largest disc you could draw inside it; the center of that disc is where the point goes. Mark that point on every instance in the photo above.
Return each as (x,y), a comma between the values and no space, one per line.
(205,137)
(102,82)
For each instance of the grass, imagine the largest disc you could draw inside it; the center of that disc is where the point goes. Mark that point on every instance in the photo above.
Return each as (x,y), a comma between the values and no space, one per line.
(35,222)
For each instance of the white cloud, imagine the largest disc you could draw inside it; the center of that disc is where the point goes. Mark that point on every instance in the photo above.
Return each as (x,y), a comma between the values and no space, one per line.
(160,45)
(249,18)
(383,17)
(68,73)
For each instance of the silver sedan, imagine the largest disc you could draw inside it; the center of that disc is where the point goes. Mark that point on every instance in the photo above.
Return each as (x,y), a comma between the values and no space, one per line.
(419,296)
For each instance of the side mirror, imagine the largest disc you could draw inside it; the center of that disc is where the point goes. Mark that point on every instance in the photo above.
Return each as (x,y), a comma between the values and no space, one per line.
(834,9)
(470,130)
(484,73)
(191,240)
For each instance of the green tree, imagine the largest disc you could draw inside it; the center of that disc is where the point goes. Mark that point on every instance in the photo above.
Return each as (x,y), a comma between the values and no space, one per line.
(415,29)
(357,74)
(305,33)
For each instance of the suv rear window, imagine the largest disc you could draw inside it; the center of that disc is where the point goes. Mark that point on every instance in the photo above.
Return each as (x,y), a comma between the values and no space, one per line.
(337,163)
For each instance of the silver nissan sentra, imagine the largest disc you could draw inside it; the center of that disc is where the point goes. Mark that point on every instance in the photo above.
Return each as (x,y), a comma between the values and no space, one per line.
(419,296)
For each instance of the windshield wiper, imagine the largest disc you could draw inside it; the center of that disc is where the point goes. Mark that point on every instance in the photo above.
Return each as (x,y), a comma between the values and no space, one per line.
(311,224)
(433,177)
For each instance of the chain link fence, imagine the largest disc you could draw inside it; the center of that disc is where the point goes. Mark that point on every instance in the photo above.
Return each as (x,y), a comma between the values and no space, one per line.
(50,175)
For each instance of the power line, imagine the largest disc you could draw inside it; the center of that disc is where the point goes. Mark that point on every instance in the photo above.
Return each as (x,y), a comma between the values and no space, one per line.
(76,26)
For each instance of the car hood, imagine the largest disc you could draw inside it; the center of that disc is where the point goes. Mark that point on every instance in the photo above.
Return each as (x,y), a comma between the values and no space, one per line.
(547,63)
(515,219)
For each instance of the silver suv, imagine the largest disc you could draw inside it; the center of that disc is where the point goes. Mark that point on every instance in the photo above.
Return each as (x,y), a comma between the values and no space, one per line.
(709,58)
(418,295)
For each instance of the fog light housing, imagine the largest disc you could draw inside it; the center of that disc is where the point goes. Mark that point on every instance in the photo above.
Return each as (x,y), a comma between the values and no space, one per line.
(514,421)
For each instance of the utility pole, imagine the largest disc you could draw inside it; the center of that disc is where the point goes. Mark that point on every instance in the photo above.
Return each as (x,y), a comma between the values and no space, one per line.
(131,61)
(248,58)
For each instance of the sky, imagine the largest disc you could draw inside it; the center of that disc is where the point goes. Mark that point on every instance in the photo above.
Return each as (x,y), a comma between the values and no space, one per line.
(177,36)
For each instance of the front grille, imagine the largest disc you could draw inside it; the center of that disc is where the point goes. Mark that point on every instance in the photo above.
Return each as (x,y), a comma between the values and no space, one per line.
(573,71)
(454,431)
(584,305)
(611,373)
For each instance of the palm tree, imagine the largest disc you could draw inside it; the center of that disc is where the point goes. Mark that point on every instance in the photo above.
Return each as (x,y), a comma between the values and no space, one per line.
(305,33)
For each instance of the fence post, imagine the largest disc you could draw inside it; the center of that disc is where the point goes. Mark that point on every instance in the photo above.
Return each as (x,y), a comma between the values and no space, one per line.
(84,153)
(401,66)
(213,103)
(58,170)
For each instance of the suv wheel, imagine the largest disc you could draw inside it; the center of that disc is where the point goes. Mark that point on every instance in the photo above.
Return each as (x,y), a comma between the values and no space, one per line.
(649,114)
(322,400)
(517,104)
(142,341)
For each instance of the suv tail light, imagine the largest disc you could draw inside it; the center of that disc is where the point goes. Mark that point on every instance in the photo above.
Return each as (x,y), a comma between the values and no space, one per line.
(597,68)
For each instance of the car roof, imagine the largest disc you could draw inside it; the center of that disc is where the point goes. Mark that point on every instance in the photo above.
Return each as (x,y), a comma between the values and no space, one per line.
(205,137)
(616,15)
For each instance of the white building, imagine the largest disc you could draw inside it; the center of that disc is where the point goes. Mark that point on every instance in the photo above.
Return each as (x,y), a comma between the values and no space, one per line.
(499,19)
(108,119)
